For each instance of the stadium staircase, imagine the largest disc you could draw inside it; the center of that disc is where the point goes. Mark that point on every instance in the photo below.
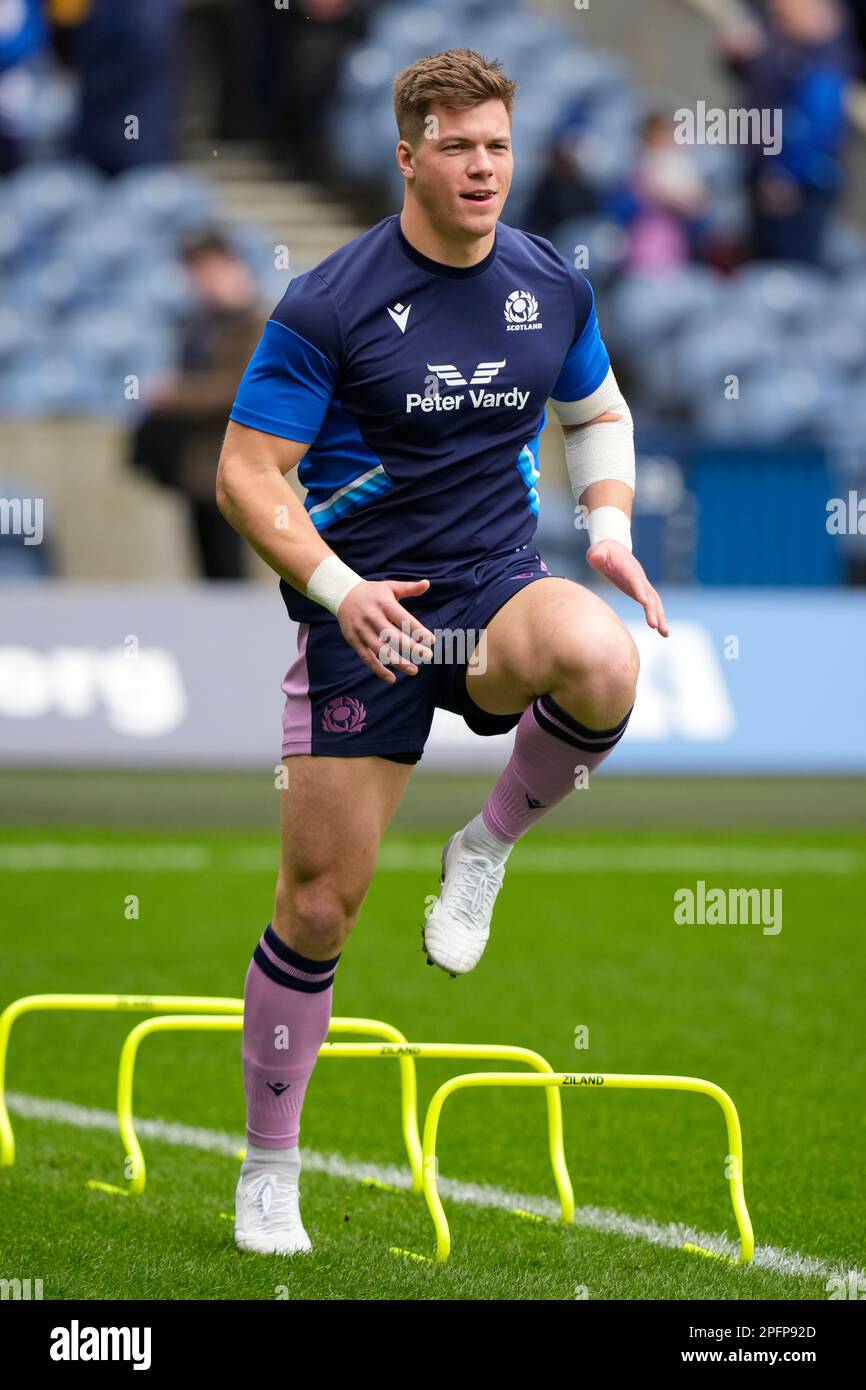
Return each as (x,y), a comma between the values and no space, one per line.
(309,218)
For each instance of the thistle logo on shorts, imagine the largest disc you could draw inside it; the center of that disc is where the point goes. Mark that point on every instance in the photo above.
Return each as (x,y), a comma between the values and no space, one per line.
(344,715)
(521,311)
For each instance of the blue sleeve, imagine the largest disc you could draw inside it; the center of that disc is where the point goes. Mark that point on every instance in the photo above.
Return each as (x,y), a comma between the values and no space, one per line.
(814,125)
(586,364)
(22,34)
(292,375)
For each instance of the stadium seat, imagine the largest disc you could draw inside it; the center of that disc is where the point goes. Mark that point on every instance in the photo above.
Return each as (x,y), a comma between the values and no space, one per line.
(844,427)
(784,401)
(107,242)
(644,308)
(713,347)
(795,294)
(165,199)
(577,74)
(472,11)
(46,197)
(845,246)
(364,77)
(12,238)
(406,28)
(839,343)
(51,383)
(526,34)
(848,296)
(20,331)
(159,287)
(53,287)
(117,339)
(606,242)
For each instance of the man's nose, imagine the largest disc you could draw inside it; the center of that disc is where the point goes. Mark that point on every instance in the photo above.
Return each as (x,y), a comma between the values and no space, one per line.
(481,161)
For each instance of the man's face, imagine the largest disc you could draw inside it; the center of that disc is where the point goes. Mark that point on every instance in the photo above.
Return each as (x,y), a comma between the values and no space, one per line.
(805,21)
(463,154)
(222,282)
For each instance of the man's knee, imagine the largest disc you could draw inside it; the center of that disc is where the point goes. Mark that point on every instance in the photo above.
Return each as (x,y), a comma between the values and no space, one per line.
(602,657)
(314,916)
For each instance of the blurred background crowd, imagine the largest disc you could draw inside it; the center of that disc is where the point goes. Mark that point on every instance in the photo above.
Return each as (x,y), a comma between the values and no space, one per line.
(166,166)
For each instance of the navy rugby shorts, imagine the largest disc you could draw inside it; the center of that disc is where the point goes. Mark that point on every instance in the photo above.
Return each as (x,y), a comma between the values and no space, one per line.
(337,707)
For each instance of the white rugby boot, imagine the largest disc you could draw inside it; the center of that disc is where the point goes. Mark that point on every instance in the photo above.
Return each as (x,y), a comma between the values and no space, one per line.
(458,926)
(267,1214)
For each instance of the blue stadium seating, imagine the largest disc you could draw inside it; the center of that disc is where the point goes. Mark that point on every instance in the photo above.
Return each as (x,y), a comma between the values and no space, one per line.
(90,277)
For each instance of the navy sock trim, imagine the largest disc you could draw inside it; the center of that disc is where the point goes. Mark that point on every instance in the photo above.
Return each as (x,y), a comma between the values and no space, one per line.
(580,736)
(285,953)
(279,977)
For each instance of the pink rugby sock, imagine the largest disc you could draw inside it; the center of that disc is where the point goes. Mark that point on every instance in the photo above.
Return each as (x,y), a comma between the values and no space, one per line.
(287,1010)
(549,748)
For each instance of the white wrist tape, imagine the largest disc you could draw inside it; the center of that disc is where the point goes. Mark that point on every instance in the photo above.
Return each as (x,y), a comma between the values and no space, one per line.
(330,582)
(609,524)
(601,452)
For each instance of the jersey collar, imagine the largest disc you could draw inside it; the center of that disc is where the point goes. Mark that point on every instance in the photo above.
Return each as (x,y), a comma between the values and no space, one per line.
(452,272)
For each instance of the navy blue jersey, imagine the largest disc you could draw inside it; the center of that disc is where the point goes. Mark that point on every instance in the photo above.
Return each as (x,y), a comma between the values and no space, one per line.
(421,389)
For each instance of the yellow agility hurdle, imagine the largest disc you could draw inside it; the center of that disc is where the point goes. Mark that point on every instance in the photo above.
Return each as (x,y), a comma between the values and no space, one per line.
(190,1004)
(90,1003)
(490,1052)
(612,1081)
(404,1052)
(182,1023)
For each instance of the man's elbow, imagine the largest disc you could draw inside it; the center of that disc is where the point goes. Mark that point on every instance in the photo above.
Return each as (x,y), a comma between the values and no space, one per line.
(224,488)
(609,417)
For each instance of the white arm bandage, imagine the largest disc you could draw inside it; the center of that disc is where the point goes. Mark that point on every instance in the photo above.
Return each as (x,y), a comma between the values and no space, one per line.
(598,453)
(330,582)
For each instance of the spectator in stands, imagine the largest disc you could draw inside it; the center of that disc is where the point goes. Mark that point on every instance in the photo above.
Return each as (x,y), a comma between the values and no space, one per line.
(664,203)
(857,10)
(798,59)
(23,41)
(561,193)
(299,51)
(126,55)
(178,442)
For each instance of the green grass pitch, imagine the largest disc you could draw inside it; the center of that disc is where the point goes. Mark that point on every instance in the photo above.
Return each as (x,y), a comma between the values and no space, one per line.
(584,935)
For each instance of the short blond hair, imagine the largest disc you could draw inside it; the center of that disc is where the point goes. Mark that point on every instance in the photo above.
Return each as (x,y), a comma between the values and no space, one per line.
(459,77)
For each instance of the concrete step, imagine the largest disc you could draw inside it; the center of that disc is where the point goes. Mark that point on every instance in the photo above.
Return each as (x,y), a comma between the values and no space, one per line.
(308,250)
(265,205)
(306,216)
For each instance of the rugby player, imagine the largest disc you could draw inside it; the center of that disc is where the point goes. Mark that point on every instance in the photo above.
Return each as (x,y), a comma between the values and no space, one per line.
(406,377)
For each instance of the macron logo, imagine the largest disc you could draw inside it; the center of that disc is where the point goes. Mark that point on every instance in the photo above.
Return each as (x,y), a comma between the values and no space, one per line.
(400,316)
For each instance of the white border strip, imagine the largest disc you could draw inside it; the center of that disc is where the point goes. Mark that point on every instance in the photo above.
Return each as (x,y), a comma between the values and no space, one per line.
(671,1236)
(398,855)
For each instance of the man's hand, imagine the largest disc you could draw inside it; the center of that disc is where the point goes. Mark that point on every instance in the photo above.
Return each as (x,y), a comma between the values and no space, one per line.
(622,569)
(370,617)
(159,392)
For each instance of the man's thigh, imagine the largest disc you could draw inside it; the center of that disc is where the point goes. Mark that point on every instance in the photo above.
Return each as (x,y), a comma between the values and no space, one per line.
(333,814)
(544,625)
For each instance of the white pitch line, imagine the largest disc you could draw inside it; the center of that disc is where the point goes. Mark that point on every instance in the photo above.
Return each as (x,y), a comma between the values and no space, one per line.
(790,1264)
(395,856)
(644,859)
(47,858)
